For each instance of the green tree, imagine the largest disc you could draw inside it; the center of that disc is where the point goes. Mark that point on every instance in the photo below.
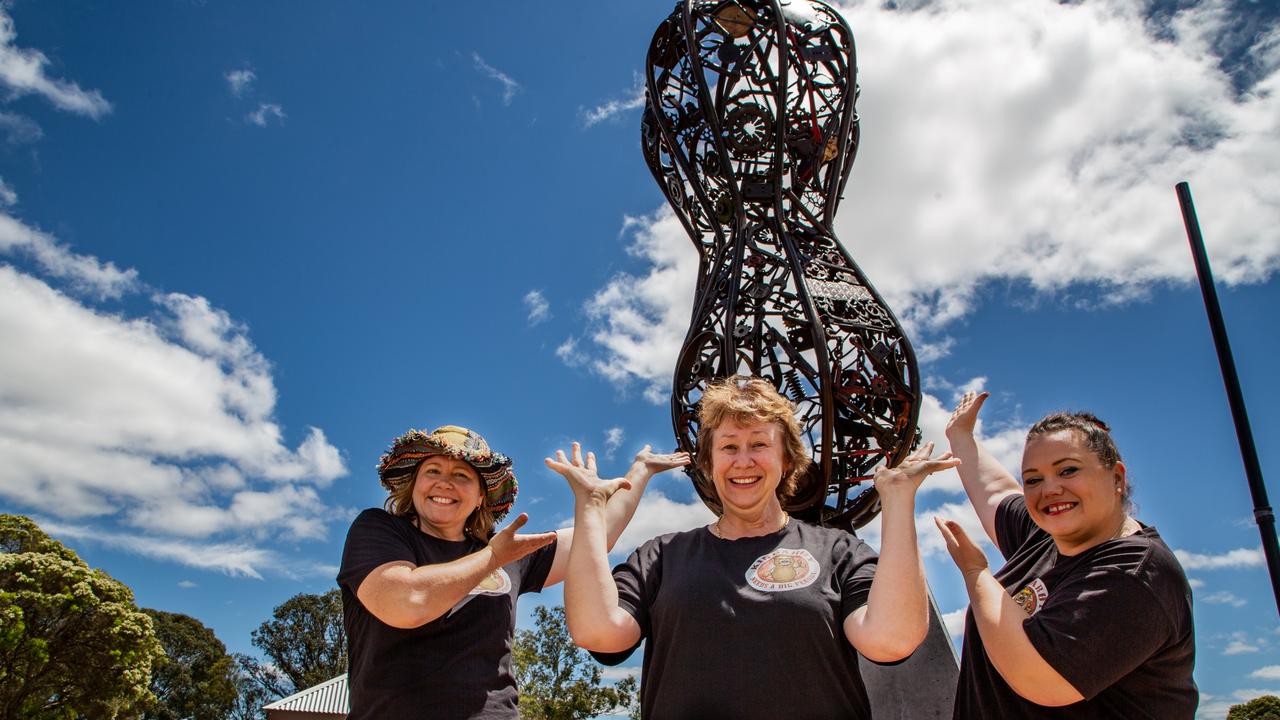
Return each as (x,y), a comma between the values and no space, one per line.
(305,641)
(250,695)
(195,678)
(557,680)
(72,642)
(1266,707)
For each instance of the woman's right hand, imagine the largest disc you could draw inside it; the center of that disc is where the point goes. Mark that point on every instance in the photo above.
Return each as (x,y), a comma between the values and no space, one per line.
(508,546)
(964,552)
(965,417)
(583,478)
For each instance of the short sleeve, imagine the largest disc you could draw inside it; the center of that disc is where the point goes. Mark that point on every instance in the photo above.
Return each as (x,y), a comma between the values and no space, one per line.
(1014,525)
(375,538)
(856,571)
(1106,608)
(535,567)
(637,580)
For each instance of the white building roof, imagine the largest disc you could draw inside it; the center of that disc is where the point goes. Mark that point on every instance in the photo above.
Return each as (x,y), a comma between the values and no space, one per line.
(328,697)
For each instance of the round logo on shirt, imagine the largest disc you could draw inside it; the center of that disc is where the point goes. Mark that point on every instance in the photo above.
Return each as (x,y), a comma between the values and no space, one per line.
(497,583)
(1031,598)
(783,570)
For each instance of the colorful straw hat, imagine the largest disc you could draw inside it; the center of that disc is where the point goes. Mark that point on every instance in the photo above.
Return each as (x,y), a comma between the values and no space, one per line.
(397,464)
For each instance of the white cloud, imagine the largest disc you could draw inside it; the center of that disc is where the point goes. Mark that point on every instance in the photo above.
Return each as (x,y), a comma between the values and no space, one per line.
(659,515)
(1240,643)
(22,71)
(640,322)
(539,308)
(1238,558)
(154,433)
(612,441)
(1224,597)
(240,81)
(7,196)
(264,113)
(569,354)
(186,584)
(509,87)
(633,100)
(85,272)
(233,559)
(1195,583)
(19,129)
(1270,672)
(1069,161)
(954,622)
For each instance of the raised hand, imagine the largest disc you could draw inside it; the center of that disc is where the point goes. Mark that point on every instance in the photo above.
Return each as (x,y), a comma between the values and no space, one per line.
(508,546)
(655,463)
(583,477)
(965,417)
(911,472)
(966,554)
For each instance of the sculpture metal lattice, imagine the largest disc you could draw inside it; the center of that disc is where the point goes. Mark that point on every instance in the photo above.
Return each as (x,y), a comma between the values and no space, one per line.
(750,130)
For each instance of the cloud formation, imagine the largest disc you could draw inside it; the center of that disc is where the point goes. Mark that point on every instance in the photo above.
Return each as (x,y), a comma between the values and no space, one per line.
(539,308)
(1069,162)
(22,71)
(155,433)
(85,272)
(610,109)
(509,87)
(1238,558)
(265,113)
(239,81)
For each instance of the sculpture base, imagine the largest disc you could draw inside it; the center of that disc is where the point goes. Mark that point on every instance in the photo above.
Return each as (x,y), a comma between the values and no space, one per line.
(923,686)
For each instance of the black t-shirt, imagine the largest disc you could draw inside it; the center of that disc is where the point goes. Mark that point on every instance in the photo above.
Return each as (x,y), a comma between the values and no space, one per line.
(748,628)
(456,666)
(1114,621)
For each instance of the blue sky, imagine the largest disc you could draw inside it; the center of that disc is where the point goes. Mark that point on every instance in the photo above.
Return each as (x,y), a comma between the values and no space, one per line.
(243,245)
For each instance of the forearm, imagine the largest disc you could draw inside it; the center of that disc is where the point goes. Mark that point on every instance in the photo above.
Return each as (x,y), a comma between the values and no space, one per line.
(985,480)
(622,505)
(407,597)
(897,616)
(590,595)
(999,619)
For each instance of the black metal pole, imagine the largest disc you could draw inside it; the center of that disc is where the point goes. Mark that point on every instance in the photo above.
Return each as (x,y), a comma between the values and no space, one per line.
(1262,513)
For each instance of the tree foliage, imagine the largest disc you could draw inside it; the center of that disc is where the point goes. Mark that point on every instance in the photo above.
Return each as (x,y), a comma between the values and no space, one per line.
(195,678)
(72,642)
(1266,707)
(250,694)
(305,641)
(557,680)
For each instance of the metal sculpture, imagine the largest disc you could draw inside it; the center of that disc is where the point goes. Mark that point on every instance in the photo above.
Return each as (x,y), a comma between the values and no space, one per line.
(750,130)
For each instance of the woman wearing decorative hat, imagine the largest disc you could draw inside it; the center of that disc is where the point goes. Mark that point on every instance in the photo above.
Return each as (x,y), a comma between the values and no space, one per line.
(756,615)
(1090,617)
(429,589)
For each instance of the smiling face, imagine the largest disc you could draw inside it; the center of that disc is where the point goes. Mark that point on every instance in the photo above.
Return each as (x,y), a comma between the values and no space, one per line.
(445,493)
(1070,493)
(747,464)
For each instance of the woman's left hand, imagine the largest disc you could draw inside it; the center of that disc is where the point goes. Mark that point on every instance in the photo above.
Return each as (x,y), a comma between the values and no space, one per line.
(967,555)
(655,463)
(582,476)
(911,472)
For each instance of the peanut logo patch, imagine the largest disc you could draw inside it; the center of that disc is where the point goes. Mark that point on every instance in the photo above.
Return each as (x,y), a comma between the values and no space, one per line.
(783,570)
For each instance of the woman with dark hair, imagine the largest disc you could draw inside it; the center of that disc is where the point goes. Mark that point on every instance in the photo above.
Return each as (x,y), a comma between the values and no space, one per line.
(429,589)
(756,615)
(1090,617)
